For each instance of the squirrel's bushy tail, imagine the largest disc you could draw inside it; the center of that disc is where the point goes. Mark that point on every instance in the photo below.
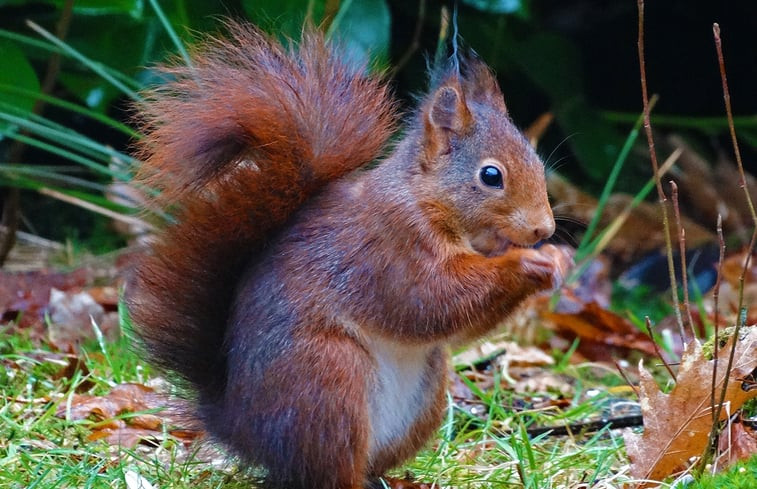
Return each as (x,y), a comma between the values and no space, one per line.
(235,144)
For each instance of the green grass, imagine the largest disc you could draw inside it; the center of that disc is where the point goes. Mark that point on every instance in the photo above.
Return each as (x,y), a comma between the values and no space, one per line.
(741,476)
(482,443)
(41,450)
(487,449)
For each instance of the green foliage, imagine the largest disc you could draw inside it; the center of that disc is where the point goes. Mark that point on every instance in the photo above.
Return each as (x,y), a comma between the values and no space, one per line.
(742,475)
(520,7)
(16,71)
(364,27)
(640,301)
(110,47)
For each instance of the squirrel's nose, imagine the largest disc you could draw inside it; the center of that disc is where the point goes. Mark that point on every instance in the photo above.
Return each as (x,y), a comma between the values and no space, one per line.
(545,230)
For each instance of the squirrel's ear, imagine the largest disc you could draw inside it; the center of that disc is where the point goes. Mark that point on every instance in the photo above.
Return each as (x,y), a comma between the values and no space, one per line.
(447,116)
(448,110)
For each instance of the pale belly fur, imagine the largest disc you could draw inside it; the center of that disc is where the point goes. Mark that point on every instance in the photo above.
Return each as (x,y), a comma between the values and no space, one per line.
(400,393)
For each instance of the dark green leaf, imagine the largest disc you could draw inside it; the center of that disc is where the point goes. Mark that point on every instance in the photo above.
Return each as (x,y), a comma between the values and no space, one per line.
(16,71)
(284,17)
(500,6)
(133,8)
(365,27)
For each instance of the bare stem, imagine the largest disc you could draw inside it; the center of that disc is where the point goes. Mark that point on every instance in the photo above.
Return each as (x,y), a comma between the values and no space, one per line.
(729,115)
(741,311)
(658,183)
(682,252)
(648,322)
(625,377)
(716,299)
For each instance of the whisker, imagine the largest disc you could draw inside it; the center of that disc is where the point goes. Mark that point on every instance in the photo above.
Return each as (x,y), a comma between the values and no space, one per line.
(571,220)
(546,160)
(553,167)
(572,205)
(563,236)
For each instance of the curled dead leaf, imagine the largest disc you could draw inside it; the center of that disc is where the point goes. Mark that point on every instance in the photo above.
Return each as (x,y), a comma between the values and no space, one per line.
(677,425)
(119,416)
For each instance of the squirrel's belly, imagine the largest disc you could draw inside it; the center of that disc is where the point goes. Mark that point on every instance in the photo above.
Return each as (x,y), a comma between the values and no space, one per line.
(400,394)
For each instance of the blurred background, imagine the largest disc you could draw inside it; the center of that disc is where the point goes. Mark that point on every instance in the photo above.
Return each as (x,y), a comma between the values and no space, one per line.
(568,68)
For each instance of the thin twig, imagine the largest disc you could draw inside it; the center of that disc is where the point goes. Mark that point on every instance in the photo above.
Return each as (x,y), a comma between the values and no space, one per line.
(729,115)
(625,377)
(715,346)
(648,323)
(741,311)
(658,182)
(130,220)
(682,252)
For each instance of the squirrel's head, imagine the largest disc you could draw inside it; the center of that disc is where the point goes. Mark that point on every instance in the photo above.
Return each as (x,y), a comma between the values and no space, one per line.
(480,166)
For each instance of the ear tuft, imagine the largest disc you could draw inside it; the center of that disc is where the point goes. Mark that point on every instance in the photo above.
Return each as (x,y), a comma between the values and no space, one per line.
(448,110)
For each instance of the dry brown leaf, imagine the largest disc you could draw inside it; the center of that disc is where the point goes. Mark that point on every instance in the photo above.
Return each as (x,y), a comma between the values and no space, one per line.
(602,332)
(739,443)
(507,353)
(28,294)
(677,425)
(74,365)
(123,399)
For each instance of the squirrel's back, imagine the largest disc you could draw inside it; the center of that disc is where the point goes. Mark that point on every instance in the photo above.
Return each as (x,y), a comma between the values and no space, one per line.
(235,144)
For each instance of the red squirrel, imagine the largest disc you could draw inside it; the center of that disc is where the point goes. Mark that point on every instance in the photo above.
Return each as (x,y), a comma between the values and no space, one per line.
(305,294)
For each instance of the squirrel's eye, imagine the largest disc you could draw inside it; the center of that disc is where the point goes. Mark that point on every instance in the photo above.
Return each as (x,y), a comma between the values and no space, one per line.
(491,176)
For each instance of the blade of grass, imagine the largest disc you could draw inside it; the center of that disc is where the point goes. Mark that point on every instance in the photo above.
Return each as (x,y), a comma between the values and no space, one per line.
(30,41)
(78,109)
(605,236)
(43,176)
(93,165)
(36,43)
(171,32)
(48,174)
(66,137)
(72,195)
(611,180)
(343,8)
(131,220)
(95,66)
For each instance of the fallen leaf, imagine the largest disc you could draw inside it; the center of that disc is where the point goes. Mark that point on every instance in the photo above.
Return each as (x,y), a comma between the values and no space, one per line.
(76,364)
(602,332)
(738,443)
(29,292)
(677,425)
(506,353)
(533,380)
(117,422)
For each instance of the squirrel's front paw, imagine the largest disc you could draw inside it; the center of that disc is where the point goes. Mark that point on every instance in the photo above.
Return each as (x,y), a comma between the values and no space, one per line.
(547,265)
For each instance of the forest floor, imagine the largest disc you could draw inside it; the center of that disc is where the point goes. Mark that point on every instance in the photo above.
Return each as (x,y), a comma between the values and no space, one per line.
(552,400)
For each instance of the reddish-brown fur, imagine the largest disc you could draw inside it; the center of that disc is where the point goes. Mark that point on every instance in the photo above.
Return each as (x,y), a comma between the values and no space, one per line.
(308,305)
